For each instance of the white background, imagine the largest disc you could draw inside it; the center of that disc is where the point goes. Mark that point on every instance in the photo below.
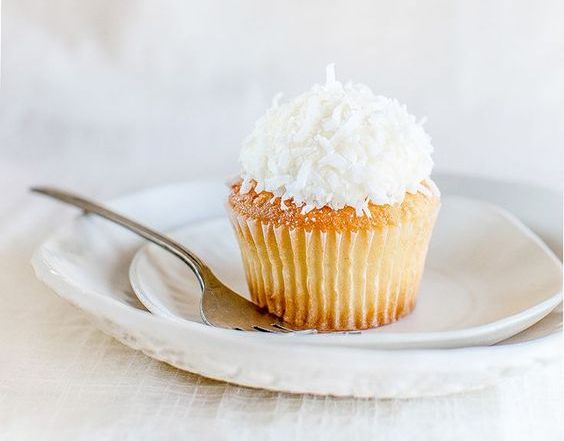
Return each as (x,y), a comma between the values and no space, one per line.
(109,96)
(177,84)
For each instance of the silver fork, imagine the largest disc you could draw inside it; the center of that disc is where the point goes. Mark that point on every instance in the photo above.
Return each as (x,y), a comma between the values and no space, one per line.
(220,306)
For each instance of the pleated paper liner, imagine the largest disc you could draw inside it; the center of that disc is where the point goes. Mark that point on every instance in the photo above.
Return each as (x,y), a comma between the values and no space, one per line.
(334,280)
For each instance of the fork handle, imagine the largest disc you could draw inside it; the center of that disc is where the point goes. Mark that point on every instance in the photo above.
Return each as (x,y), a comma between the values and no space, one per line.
(193,261)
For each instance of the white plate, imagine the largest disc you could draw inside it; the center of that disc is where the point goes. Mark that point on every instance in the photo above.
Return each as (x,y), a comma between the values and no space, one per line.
(487,277)
(87,262)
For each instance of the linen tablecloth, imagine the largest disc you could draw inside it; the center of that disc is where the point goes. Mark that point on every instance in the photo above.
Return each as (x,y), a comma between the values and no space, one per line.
(106,97)
(61,378)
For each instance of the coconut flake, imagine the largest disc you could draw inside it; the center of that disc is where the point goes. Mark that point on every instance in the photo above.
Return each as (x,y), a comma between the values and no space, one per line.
(330,75)
(276,100)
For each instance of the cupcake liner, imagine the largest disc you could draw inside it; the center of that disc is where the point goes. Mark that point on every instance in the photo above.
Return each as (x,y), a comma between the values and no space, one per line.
(332,280)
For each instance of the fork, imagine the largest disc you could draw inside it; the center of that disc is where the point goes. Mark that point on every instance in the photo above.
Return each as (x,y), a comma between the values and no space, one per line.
(220,306)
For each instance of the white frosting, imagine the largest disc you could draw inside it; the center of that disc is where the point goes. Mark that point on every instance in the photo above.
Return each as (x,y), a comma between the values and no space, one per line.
(337,145)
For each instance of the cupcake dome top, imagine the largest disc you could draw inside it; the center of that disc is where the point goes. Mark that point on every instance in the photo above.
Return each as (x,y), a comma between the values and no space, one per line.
(337,145)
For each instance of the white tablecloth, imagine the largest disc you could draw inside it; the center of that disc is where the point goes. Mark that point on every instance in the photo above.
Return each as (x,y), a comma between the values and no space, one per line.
(106,97)
(61,378)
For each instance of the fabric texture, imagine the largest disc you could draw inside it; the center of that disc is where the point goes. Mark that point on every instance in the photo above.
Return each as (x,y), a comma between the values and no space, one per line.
(105,97)
(61,378)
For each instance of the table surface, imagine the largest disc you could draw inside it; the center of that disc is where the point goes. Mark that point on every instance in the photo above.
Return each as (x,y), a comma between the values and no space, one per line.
(61,378)
(105,99)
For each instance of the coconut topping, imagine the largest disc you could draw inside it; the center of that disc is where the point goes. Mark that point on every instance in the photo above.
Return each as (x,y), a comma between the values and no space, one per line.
(337,145)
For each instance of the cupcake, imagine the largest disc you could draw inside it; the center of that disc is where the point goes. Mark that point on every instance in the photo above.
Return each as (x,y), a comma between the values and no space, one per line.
(334,208)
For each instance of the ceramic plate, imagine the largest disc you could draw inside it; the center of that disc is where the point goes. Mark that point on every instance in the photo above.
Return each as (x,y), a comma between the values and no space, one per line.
(87,263)
(487,277)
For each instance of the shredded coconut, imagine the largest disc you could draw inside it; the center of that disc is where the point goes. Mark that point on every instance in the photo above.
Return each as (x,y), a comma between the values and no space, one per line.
(337,145)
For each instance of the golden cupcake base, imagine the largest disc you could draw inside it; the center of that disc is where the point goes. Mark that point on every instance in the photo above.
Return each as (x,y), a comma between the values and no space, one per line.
(336,279)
